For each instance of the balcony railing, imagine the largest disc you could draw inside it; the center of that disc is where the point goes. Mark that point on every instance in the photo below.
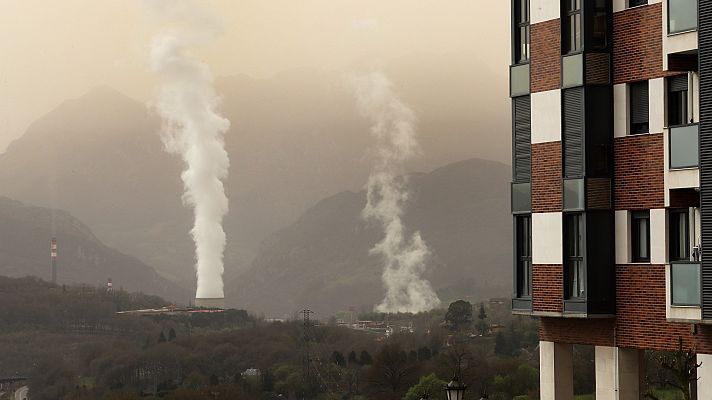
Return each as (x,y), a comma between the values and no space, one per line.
(685,284)
(684,146)
(521,197)
(518,80)
(588,193)
(682,16)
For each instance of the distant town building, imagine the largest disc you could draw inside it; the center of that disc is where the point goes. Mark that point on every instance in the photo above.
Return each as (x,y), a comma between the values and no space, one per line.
(612,184)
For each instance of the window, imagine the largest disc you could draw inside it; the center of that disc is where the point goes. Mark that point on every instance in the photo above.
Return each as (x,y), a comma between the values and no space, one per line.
(640,236)
(639,108)
(572,33)
(524,255)
(677,100)
(636,3)
(600,25)
(521,31)
(679,235)
(573,245)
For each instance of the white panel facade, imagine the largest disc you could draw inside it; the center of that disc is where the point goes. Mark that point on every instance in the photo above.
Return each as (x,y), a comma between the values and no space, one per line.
(544,10)
(547,241)
(622,222)
(656,93)
(546,116)
(620,110)
(658,236)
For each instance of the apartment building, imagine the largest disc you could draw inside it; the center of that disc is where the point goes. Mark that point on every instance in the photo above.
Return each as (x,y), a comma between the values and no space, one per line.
(612,184)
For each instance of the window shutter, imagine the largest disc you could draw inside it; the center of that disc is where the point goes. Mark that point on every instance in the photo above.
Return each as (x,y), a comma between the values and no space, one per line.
(573,132)
(522,139)
(678,83)
(639,102)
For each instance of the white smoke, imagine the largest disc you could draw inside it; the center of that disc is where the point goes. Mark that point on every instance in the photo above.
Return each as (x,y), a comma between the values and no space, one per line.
(405,258)
(192,128)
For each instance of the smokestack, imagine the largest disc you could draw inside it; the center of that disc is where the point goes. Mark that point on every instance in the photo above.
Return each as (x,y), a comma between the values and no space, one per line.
(210,302)
(53,255)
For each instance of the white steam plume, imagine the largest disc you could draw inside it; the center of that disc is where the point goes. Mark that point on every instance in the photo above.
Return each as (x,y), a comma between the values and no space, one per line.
(405,258)
(192,128)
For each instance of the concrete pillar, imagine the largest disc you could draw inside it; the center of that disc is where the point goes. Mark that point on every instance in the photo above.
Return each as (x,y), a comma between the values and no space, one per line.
(618,373)
(704,373)
(556,371)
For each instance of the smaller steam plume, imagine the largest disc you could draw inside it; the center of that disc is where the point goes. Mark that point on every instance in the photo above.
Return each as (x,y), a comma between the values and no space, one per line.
(405,258)
(193,129)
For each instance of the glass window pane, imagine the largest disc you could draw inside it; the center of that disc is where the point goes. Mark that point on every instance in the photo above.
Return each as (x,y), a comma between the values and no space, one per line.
(574,194)
(684,146)
(572,74)
(685,284)
(682,15)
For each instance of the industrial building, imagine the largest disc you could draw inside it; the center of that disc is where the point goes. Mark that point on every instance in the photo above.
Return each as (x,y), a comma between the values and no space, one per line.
(612,185)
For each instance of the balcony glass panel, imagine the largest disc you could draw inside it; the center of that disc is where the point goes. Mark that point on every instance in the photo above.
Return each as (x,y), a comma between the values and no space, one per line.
(682,15)
(685,284)
(519,80)
(572,74)
(521,197)
(574,194)
(684,142)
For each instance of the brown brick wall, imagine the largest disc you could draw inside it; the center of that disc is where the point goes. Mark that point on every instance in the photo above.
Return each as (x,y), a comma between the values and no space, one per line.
(640,318)
(547,288)
(639,167)
(638,44)
(545,62)
(641,321)
(546,177)
(593,332)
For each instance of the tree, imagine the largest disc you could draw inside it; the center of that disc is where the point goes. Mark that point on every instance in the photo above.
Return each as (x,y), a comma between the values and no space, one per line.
(682,365)
(459,315)
(338,358)
(501,346)
(391,370)
(428,387)
(161,338)
(424,354)
(482,326)
(353,358)
(171,334)
(366,358)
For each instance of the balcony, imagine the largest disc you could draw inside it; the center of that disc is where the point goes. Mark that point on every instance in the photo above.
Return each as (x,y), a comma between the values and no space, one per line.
(684,146)
(518,80)
(585,69)
(682,16)
(521,198)
(685,284)
(587,194)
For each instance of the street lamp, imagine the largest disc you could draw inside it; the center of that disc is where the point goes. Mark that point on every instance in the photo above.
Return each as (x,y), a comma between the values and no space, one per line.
(455,389)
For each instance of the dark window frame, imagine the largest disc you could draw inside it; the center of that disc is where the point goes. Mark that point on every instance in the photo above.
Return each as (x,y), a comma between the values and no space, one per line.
(638,127)
(675,94)
(679,248)
(521,23)
(523,256)
(574,257)
(635,219)
(636,3)
(569,13)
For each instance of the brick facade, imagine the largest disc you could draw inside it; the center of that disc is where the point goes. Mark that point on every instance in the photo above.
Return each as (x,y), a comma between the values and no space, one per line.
(640,318)
(639,172)
(548,288)
(638,44)
(546,177)
(545,62)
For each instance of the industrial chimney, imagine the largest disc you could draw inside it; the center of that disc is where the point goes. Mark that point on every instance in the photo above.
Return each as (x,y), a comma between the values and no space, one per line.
(53,255)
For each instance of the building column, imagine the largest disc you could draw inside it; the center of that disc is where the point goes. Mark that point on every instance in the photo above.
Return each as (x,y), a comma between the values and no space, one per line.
(618,374)
(556,371)
(704,373)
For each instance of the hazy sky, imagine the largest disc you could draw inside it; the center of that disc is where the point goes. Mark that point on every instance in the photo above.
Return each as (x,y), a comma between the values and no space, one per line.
(54,50)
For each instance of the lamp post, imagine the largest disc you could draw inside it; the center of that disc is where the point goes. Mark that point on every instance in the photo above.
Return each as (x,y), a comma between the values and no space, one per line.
(455,389)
